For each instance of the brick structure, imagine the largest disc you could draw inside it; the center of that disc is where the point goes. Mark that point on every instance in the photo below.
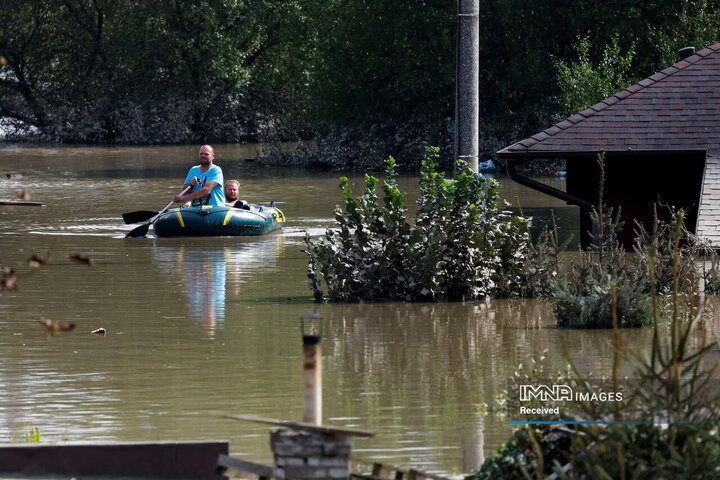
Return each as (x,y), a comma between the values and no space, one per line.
(305,454)
(662,142)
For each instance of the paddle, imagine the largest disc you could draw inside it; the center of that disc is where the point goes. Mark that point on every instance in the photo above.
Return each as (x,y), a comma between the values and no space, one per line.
(142,230)
(138,216)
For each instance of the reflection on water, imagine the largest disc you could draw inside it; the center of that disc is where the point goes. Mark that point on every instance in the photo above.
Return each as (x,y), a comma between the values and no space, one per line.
(203,275)
(210,273)
(198,324)
(406,369)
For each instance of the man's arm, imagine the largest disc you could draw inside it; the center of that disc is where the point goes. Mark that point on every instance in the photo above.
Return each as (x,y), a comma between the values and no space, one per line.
(204,191)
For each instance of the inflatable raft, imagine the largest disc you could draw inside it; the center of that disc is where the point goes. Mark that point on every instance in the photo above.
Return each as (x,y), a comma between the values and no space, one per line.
(216,221)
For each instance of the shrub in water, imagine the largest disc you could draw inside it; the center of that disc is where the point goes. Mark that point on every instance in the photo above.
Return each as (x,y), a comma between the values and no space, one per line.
(583,298)
(593,310)
(462,245)
(531,453)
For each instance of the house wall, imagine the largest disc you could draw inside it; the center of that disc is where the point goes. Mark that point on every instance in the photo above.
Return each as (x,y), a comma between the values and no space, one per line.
(708,222)
(636,184)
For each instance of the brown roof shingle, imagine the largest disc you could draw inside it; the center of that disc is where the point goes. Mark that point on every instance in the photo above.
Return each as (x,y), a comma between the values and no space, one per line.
(675,109)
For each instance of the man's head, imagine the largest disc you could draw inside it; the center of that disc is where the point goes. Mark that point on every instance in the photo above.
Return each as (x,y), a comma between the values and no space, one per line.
(232,190)
(207,155)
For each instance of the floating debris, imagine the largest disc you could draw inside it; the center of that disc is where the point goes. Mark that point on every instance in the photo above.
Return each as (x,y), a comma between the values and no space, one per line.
(23,195)
(99,332)
(21,203)
(8,280)
(82,258)
(36,261)
(54,327)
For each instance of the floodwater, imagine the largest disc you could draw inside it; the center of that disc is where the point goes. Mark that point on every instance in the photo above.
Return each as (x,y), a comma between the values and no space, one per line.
(199,326)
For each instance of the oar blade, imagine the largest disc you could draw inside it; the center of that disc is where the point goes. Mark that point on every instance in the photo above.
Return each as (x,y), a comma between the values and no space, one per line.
(138,216)
(140,231)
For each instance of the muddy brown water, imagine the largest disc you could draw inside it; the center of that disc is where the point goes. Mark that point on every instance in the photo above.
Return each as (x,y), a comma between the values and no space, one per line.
(212,325)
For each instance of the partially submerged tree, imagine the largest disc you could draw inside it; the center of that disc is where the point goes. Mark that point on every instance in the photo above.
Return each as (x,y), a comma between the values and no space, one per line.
(462,244)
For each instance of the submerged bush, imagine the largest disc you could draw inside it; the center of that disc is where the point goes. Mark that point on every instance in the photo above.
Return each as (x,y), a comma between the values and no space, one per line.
(462,245)
(531,452)
(665,254)
(666,425)
(582,298)
(614,451)
(594,310)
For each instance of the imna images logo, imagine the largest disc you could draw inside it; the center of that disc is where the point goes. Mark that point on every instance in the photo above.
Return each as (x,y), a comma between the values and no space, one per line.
(545,393)
(559,393)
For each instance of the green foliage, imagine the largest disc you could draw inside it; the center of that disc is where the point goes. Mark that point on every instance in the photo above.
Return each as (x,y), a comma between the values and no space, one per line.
(32,435)
(544,262)
(462,245)
(604,274)
(582,297)
(682,451)
(655,251)
(701,255)
(583,84)
(125,71)
(666,425)
(594,309)
(711,273)
(673,385)
(141,72)
(383,60)
(615,451)
(530,453)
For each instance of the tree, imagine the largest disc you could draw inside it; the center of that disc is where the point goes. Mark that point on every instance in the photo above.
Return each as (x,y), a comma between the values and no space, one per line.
(383,60)
(582,84)
(105,71)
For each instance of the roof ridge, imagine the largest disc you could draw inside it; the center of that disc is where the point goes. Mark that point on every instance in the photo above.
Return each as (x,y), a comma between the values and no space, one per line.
(617,97)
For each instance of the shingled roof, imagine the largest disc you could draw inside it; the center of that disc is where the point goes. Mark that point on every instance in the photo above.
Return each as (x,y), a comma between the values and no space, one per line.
(677,109)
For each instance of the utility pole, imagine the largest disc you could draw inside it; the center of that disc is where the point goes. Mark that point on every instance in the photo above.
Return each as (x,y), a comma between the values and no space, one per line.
(467,77)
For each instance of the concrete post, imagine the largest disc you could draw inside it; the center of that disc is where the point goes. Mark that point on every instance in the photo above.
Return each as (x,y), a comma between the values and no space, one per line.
(467,78)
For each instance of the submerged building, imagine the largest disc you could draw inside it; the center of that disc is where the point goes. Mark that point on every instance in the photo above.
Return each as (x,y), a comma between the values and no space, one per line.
(661,138)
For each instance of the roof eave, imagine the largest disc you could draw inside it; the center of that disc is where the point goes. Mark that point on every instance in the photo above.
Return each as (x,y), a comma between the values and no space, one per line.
(525,155)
